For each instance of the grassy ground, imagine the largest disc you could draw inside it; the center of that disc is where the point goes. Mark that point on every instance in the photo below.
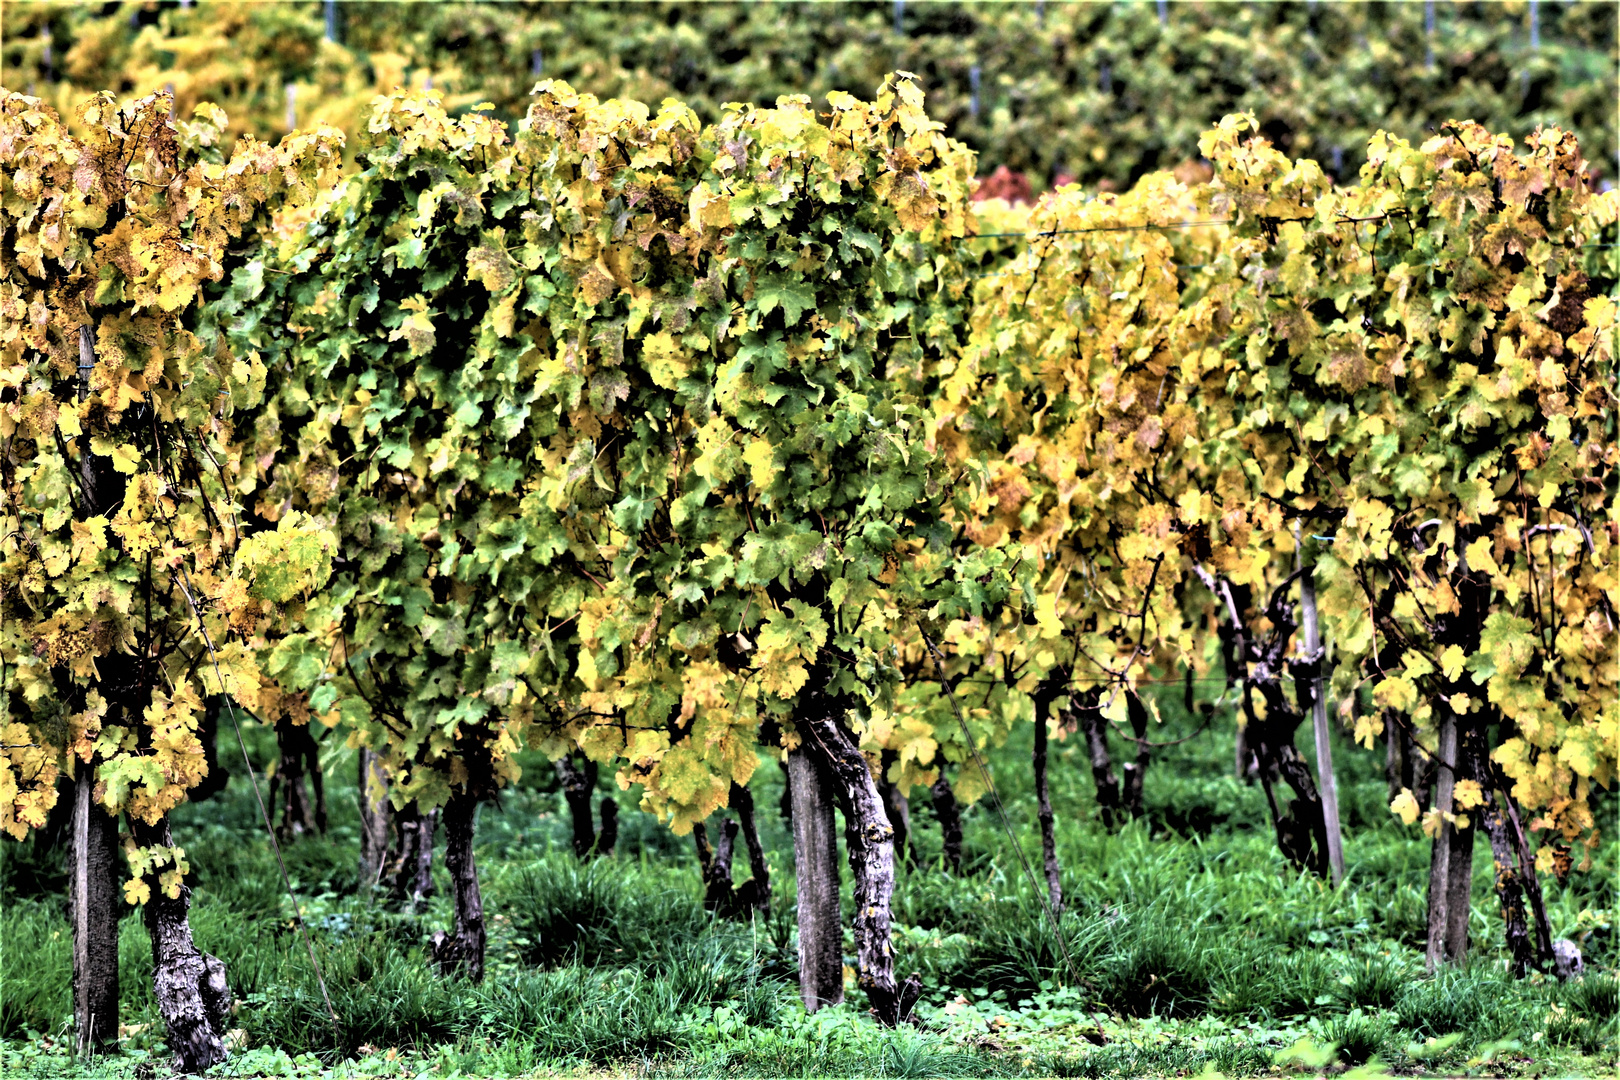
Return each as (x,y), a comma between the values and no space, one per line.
(1197,950)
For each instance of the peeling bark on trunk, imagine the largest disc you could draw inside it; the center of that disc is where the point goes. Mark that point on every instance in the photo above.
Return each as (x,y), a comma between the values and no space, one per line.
(871,857)
(1088,713)
(1531,883)
(815,861)
(1509,890)
(192,992)
(755,893)
(1045,695)
(896,805)
(95,901)
(950,821)
(462,949)
(1268,731)
(578,785)
(375,818)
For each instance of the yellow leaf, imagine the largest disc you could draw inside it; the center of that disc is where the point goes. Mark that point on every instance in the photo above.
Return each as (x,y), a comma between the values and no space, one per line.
(666,361)
(1452,661)
(67,421)
(137,891)
(757,457)
(709,207)
(125,458)
(1468,794)
(647,744)
(1405,807)
(1432,821)
(1046,616)
(1368,727)
(89,538)
(1479,556)
(1396,693)
(587,668)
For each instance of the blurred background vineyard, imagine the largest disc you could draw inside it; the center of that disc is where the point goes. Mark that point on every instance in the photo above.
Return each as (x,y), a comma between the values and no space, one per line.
(1100,93)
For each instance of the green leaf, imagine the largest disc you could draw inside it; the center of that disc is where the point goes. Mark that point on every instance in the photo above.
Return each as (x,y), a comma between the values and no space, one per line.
(793,295)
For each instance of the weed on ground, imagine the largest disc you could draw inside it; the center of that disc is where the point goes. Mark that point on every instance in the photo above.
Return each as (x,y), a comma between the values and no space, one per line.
(1190,946)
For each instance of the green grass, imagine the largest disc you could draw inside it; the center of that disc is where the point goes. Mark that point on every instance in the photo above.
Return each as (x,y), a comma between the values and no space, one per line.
(1191,946)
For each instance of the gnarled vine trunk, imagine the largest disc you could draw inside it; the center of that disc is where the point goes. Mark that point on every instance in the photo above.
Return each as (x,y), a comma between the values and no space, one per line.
(1509,886)
(871,857)
(462,948)
(411,863)
(1136,771)
(719,894)
(1089,717)
(578,780)
(755,893)
(192,992)
(1268,730)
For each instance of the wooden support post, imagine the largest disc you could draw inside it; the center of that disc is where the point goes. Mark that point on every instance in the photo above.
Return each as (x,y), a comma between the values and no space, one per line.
(1319,721)
(815,862)
(1440,859)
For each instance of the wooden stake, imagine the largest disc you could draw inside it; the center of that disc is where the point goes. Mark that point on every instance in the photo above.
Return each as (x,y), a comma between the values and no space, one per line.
(1319,721)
